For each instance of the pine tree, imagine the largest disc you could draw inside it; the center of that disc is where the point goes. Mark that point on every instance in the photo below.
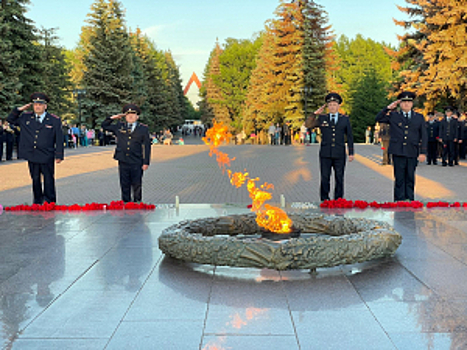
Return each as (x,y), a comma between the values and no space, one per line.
(320,59)
(174,84)
(214,95)
(21,65)
(56,73)
(368,98)
(108,61)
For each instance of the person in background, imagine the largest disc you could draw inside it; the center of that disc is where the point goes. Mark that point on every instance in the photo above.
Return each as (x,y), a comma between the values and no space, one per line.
(271,134)
(432,128)
(368,135)
(448,130)
(385,137)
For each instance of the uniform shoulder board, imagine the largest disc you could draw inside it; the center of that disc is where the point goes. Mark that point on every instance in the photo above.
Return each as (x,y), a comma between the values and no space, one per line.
(28,113)
(53,115)
(143,124)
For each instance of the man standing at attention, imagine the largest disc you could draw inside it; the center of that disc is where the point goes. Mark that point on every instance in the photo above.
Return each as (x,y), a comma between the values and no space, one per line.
(408,131)
(332,155)
(41,144)
(133,150)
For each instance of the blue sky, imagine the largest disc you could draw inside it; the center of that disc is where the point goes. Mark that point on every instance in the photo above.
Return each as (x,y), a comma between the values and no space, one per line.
(190,28)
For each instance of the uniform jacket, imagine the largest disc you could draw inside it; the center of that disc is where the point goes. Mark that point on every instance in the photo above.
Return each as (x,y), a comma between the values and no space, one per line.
(39,142)
(448,131)
(132,147)
(333,137)
(408,135)
(432,130)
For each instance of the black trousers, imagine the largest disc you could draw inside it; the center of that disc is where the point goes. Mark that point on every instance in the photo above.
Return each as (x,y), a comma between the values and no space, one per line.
(131,178)
(449,152)
(1,149)
(404,172)
(432,152)
(462,149)
(47,171)
(9,149)
(326,165)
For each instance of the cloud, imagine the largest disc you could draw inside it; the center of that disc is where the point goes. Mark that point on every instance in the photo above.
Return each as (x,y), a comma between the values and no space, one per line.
(153,32)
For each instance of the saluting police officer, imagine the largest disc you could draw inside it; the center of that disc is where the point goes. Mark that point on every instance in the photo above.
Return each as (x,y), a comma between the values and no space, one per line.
(432,128)
(408,131)
(133,150)
(334,128)
(448,135)
(41,143)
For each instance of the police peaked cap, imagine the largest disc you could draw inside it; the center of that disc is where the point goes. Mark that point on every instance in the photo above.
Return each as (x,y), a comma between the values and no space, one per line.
(131,108)
(449,108)
(39,97)
(406,96)
(333,97)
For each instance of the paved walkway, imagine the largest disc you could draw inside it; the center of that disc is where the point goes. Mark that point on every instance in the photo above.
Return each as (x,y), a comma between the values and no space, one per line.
(91,175)
(97,281)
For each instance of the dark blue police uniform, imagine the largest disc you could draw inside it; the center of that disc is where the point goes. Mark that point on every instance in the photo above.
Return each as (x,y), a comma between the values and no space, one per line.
(449,133)
(332,154)
(432,129)
(40,144)
(133,150)
(408,140)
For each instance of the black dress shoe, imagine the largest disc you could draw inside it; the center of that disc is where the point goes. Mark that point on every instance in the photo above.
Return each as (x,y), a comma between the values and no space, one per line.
(444,164)
(456,163)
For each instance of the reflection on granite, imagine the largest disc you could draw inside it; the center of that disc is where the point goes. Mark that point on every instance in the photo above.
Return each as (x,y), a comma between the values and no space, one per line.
(98,280)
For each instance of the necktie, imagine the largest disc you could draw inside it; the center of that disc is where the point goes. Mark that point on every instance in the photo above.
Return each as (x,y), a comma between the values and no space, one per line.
(38,118)
(333,119)
(130,127)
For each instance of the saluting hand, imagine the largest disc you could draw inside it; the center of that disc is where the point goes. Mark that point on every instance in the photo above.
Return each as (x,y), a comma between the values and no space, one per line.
(145,167)
(320,109)
(117,116)
(394,104)
(24,107)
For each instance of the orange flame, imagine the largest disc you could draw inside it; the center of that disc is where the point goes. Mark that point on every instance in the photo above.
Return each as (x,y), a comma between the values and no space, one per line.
(267,216)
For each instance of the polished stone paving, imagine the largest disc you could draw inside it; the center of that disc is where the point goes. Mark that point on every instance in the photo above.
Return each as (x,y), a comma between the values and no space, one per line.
(98,281)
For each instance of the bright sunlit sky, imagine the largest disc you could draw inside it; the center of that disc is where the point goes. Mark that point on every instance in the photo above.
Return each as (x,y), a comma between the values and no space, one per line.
(190,28)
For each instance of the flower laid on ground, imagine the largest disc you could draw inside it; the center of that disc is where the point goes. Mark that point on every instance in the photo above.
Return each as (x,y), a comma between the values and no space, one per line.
(114,205)
(344,203)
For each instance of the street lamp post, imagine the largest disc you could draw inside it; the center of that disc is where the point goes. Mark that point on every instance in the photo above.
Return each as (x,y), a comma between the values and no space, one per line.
(79,93)
(306,92)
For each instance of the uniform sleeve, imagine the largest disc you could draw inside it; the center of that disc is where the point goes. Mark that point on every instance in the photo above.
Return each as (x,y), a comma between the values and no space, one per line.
(383,116)
(107,125)
(59,141)
(146,148)
(14,116)
(349,138)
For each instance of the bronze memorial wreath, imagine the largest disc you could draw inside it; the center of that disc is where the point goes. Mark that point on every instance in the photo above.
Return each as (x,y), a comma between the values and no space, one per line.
(236,240)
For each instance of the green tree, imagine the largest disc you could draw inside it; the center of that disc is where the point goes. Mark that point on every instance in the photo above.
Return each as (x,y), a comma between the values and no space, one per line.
(108,61)
(214,94)
(20,57)
(237,60)
(56,73)
(368,98)
(358,57)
